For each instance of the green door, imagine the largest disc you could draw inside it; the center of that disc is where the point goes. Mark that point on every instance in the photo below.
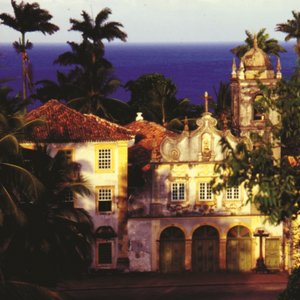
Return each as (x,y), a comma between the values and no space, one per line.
(205,249)
(172,250)
(238,249)
(272,253)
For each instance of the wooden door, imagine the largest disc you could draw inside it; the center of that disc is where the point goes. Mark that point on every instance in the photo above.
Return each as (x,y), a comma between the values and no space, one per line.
(205,249)
(239,249)
(172,250)
(272,253)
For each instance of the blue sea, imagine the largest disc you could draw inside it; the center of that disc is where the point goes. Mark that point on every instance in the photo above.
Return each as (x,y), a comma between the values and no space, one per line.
(194,68)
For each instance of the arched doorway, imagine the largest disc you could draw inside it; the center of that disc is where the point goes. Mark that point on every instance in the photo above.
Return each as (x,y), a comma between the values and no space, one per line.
(205,249)
(239,249)
(172,250)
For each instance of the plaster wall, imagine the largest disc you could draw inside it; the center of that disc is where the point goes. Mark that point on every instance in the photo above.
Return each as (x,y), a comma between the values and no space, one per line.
(144,236)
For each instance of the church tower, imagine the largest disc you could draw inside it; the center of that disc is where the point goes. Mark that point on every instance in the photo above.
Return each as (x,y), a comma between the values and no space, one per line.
(255,66)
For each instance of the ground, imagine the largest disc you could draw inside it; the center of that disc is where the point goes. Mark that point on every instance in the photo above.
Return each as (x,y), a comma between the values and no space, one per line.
(187,286)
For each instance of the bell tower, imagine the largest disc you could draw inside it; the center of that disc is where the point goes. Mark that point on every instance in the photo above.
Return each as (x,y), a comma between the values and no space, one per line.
(255,66)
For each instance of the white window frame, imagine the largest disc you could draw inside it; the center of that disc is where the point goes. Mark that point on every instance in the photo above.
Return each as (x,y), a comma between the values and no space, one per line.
(233,193)
(205,191)
(105,190)
(104,158)
(178,191)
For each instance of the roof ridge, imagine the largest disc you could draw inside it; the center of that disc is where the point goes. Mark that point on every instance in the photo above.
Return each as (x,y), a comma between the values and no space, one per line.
(66,124)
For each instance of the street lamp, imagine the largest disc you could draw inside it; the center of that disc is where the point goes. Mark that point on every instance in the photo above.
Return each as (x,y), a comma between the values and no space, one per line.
(260,264)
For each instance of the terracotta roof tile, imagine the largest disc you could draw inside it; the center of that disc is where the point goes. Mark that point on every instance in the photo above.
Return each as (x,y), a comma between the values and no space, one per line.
(64,124)
(149,135)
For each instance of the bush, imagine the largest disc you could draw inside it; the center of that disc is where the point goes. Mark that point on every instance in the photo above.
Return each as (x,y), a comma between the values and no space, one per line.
(292,291)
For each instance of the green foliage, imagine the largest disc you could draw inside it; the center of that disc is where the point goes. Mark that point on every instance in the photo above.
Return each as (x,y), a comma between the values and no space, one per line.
(267,44)
(42,238)
(55,238)
(155,96)
(12,172)
(99,29)
(222,105)
(292,29)
(292,291)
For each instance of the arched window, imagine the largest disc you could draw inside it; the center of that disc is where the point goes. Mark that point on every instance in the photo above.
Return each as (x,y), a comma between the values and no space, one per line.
(258,114)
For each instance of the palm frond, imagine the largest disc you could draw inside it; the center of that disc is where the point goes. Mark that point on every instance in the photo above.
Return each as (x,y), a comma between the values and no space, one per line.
(102,16)
(28,183)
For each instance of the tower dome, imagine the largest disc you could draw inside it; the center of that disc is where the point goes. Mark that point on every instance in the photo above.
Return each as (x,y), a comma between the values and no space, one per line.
(256,63)
(256,58)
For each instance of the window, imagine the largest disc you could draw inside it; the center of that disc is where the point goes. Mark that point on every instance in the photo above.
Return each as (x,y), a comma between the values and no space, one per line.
(105,253)
(205,191)
(178,191)
(104,159)
(233,193)
(105,197)
(68,196)
(257,111)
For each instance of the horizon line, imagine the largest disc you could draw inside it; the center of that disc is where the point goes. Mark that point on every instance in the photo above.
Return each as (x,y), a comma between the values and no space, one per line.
(152,43)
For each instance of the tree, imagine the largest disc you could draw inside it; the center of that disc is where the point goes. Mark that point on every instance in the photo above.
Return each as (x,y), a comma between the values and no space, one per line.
(56,240)
(42,237)
(222,106)
(95,31)
(267,44)
(27,18)
(91,79)
(273,183)
(155,96)
(292,28)
(15,180)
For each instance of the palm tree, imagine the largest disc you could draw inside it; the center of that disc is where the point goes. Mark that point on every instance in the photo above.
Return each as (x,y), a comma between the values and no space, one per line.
(92,75)
(222,106)
(38,228)
(16,182)
(97,80)
(56,239)
(27,18)
(267,44)
(292,28)
(95,31)
(88,85)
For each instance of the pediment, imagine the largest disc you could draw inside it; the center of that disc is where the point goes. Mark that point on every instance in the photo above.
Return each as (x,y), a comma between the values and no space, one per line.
(202,144)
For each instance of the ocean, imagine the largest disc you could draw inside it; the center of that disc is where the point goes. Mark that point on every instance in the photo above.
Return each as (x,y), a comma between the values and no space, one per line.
(194,68)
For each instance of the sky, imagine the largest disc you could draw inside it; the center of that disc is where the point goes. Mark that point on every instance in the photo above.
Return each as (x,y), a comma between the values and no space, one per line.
(166,21)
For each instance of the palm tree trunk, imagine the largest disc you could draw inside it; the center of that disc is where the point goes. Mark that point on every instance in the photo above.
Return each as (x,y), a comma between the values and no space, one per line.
(23,57)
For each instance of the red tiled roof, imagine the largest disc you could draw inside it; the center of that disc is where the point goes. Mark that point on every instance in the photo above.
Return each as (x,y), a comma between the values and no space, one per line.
(149,135)
(64,124)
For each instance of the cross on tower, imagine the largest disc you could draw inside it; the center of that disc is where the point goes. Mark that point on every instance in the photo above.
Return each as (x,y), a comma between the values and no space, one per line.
(206,98)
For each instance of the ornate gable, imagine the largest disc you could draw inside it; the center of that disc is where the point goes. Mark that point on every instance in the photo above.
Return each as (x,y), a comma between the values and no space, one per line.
(200,145)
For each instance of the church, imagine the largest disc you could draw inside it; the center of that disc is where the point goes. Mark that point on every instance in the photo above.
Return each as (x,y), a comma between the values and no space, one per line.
(176,222)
